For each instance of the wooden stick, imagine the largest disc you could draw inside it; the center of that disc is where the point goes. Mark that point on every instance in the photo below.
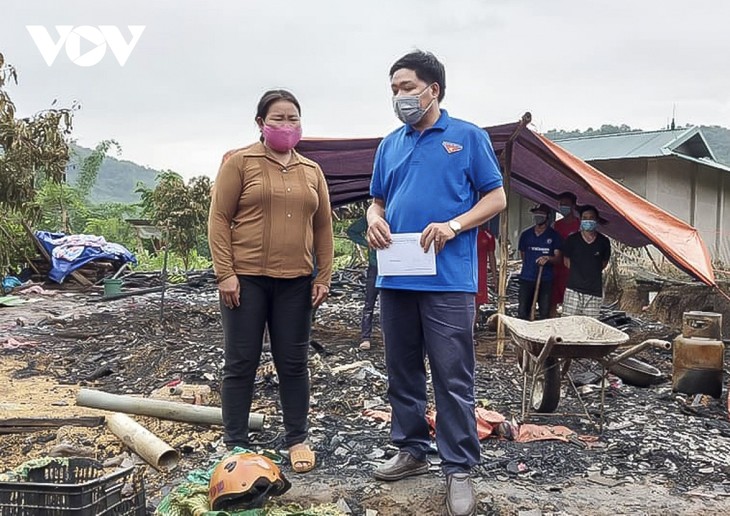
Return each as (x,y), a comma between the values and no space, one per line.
(10,240)
(535,294)
(506,163)
(28,425)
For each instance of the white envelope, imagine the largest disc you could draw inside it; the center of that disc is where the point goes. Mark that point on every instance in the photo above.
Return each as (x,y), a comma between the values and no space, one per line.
(405,257)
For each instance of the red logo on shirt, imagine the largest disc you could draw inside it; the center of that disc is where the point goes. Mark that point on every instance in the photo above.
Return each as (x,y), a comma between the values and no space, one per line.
(451,147)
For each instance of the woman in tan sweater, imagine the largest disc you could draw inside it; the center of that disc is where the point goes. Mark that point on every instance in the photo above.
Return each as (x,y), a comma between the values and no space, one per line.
(270,219)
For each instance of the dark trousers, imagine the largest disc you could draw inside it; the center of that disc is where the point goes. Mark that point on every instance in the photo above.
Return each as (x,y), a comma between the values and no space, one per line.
(371,295)
(286,305)
(437,325)
(527,294)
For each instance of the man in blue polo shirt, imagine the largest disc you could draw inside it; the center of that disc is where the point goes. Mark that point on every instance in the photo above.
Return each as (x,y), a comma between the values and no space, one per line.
(539,248)
(428,177)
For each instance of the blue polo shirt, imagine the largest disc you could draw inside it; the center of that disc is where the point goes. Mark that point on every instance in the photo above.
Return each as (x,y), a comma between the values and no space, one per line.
(534,246)
(435,176)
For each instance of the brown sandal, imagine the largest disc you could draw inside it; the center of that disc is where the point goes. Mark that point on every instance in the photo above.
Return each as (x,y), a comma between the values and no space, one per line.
(302,459)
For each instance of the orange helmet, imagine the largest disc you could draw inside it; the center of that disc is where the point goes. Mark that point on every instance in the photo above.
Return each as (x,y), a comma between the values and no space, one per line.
(245,481)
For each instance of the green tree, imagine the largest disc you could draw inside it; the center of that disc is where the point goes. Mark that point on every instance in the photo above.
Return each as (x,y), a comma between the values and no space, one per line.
(32,149)
(66,207)
(181,209)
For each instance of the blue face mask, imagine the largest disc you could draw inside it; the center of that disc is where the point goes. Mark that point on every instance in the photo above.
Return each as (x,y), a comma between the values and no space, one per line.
(565,210)
(588,225)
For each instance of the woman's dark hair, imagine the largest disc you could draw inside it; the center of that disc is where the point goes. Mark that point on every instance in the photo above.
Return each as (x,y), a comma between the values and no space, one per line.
(272,96)
(427,68)
(269,98)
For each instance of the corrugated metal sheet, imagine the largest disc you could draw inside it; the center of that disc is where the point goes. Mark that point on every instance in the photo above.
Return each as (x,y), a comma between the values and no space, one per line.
(624,145)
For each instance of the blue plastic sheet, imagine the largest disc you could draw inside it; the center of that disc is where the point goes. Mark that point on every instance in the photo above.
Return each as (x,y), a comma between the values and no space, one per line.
(70,252)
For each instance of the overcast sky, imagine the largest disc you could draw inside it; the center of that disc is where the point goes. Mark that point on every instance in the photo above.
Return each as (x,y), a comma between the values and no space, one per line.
(189,88)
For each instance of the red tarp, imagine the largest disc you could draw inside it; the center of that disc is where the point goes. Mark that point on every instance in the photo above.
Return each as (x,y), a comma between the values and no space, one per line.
(540,171)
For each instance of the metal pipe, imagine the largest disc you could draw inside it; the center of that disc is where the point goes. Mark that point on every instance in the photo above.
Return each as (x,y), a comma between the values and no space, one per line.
(159,408)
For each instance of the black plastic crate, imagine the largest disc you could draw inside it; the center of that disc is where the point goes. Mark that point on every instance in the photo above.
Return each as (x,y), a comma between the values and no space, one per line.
(74,489)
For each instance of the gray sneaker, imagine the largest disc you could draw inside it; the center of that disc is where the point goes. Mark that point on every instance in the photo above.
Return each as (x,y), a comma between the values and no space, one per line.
(460,497)
(401,466)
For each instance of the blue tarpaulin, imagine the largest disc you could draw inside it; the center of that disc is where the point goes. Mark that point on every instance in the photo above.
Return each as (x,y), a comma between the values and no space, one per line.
(70,252)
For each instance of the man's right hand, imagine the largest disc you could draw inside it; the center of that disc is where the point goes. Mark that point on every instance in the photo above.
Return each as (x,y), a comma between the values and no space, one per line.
(378,233)
(230,292)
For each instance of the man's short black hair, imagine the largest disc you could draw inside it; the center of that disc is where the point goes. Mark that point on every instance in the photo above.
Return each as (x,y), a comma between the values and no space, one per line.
(427,67)
(568,195)
(588,207)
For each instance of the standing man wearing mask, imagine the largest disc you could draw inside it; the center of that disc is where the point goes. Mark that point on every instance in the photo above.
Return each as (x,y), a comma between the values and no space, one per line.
(569,224)
(586,254)
(427,178)
(539,249)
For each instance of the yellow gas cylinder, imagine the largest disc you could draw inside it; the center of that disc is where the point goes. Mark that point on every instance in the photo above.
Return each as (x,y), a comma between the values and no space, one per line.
(698,355)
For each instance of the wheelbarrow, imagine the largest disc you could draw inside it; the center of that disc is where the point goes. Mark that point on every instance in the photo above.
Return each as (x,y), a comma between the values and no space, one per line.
(546,348)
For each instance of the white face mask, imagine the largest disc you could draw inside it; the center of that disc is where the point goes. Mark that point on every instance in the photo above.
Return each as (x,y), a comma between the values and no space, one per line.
(408,107)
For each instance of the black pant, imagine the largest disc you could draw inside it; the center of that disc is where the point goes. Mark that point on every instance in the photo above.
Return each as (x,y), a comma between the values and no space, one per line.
(371,295)
(286,305)
(527,294)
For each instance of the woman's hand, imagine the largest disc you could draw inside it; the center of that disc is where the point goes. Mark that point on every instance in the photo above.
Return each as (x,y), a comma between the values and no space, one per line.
(230,292)
(319,294)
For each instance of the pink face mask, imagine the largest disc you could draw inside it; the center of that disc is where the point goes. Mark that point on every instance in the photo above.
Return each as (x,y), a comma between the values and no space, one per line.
(283,138)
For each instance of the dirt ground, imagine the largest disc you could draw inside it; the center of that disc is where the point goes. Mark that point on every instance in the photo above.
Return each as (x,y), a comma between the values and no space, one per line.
(30,386)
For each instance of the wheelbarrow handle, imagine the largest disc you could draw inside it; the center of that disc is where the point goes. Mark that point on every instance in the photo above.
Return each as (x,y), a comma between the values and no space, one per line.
(638,348)
(547,348)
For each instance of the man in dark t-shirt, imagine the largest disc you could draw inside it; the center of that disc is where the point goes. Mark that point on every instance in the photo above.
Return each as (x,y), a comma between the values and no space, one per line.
(586,254)
(539,249)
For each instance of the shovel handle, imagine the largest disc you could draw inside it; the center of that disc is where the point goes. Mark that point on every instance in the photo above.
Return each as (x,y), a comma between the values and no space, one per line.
(534,295)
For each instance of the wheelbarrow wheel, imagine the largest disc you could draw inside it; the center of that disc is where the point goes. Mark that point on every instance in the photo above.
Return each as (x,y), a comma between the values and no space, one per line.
(546,392)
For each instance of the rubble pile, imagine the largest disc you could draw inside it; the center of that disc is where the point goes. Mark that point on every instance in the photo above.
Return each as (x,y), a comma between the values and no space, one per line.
(123,346)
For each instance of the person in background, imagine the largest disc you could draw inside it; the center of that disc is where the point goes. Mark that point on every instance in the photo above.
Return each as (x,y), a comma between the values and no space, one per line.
(486,246)
(357,233)
(269,218)
(586,255)
(539,247)
(566,226)
(427,178)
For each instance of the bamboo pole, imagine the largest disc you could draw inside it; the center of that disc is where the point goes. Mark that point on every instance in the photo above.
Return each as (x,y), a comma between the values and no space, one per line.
(506,162)
(159,408)
(144,443)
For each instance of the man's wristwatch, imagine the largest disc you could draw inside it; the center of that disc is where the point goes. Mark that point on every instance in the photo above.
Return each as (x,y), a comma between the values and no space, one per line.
(455,226)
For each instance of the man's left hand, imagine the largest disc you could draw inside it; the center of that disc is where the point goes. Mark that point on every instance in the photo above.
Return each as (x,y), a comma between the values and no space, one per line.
(436,233)
(543,260)
(319,294)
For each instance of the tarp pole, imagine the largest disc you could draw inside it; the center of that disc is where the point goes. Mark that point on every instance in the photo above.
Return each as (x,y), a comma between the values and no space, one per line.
(506,162)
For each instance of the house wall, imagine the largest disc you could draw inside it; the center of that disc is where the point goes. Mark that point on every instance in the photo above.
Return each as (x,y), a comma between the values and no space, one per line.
(706,207)
(629,173)
(692,192)
(520,218)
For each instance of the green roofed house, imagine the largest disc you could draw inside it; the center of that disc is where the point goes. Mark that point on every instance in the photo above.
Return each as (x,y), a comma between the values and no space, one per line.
(674,169)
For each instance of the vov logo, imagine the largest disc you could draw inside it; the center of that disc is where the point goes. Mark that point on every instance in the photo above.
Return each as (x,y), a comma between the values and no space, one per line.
(85,45)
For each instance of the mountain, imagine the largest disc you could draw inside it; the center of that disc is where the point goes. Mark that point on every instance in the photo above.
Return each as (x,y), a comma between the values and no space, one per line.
(117,179)
(717,137)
